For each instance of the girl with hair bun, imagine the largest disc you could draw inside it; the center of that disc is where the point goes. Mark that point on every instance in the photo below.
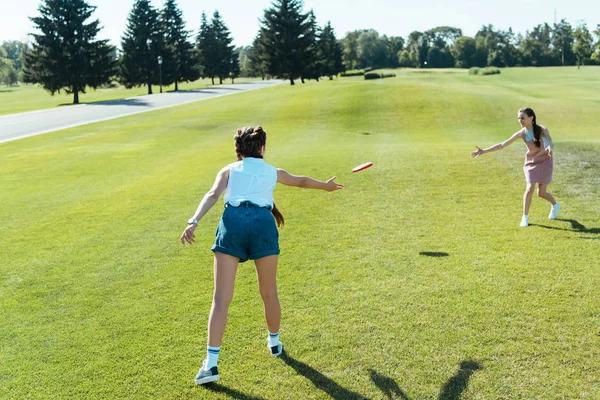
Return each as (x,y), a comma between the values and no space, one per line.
(539,163)
(247,231)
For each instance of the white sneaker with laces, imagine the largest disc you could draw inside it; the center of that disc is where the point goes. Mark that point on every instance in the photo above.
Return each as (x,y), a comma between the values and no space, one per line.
(524,221)
(554,211)
(206,375)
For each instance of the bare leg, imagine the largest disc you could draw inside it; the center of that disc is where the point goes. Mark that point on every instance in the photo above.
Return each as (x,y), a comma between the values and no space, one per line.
(266,270)
(544,194)
(527,197)
(225,269)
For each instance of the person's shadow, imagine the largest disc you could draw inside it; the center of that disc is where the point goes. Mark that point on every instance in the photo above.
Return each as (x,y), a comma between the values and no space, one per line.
(575,227)
(231,393)
(452,389)
(320,381)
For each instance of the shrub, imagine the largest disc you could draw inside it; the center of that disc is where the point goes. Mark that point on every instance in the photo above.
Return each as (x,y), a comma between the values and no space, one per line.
(353,72)
(378,75)
(484,71)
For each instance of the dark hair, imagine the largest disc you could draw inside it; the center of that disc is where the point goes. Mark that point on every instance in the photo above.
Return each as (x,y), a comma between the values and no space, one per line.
(248,142)
(537,130)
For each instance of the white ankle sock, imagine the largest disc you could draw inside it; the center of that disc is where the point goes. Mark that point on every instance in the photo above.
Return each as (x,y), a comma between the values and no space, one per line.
(274,339)
(212,355)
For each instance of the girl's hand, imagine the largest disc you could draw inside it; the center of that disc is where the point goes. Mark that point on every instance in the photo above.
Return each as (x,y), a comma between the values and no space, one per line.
(549,151)
(188,234)
(477,152)
(330,185)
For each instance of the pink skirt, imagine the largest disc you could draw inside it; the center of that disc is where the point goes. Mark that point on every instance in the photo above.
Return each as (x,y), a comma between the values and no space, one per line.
(538,169)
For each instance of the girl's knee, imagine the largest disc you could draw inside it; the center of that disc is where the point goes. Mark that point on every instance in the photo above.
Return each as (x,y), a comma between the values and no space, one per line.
(269,295)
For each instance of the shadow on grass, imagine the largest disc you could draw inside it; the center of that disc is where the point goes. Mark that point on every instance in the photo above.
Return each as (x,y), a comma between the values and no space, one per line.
(388,386)
(452,389)
(575,227)
(320,381)
(434,253)
(231,393)
(456,385)
(7,90)
(118,102)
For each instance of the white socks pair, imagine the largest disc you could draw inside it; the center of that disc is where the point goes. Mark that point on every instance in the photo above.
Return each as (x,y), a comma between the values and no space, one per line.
(212,353)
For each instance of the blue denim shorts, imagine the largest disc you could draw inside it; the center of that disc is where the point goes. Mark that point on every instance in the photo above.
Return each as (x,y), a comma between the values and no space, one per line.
(248,232)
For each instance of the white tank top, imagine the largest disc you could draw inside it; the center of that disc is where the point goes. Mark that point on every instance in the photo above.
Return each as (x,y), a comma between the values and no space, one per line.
(251,179)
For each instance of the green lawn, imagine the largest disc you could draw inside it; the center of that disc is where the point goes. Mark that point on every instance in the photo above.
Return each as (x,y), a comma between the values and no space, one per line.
(414,282)
(24,97)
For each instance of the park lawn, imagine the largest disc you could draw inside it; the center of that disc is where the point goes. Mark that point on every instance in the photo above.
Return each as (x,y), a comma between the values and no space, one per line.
(414,282)
(23,98)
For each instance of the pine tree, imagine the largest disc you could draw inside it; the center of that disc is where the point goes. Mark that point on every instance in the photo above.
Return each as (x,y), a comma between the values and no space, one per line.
(313,57)
(182,65)
(65,55)
(234,69)
(142,44)
(206,44)
(332,52)
(224,48)
(283,29)
(257,57)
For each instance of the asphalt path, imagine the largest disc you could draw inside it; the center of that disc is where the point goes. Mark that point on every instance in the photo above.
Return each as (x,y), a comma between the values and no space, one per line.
(18,126)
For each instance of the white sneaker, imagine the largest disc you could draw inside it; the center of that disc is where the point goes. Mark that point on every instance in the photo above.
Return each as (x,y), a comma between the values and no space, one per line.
(554,211)
(524,221)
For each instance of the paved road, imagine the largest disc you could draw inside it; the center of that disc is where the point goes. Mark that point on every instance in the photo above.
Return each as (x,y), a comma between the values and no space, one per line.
(18,126)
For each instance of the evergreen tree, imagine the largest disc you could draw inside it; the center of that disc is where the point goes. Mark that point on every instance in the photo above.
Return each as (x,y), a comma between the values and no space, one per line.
(562,41)
(181,66)
(313,57)
(223,49)
(142,44)
(65,54)
(332,52)
(283,29)
(206,43)
(234,69)
(258,57)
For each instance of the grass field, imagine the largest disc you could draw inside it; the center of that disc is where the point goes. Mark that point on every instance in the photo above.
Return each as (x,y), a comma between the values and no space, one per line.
(414,282)
(24,98)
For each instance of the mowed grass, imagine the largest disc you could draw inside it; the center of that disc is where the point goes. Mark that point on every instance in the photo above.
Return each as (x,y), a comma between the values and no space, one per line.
(414,282)
(26,97)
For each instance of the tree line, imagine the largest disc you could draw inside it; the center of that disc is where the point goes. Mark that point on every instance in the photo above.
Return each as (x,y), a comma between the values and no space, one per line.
(156,48)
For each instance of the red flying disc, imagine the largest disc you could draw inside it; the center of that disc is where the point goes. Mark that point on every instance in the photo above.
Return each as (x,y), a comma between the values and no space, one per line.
(362,166)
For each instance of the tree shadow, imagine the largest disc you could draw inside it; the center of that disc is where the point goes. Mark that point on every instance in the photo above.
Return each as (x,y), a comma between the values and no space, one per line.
(119,102)
(388,386)
(434,253)
(575,227)
(319,380)
(457,384)
(7,90)
(232,393)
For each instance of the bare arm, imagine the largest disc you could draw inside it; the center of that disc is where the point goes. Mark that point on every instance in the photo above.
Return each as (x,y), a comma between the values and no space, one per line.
(307,182)
(209,200)
(546,134)
(498,146)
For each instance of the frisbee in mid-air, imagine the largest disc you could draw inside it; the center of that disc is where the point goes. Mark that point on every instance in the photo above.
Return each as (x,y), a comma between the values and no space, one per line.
(362,166)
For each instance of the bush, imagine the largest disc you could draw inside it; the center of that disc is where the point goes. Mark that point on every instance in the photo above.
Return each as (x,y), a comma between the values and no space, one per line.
(484,71)
(378,75)
(353,72)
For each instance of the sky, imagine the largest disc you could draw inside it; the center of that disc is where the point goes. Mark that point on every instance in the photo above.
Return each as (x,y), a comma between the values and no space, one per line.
(393,18)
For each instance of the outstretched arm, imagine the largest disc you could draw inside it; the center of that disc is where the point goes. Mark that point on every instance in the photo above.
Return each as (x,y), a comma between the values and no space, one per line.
(209,200)
(307,182)
(498,146)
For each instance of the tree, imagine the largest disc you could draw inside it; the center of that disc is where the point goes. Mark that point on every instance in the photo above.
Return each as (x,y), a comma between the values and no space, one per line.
(206,44)
(463,51)
(536,47)
(312,53)
(418,48)
(258,57)
(596,50)
(583,43)
(182,65)
(562,41)
(234,68)
(331,51)
(65,54)
(395,46)
(14,51)
(223,51)
(404,59)
(283,30)
(142,44)
(350,54)
(372,49)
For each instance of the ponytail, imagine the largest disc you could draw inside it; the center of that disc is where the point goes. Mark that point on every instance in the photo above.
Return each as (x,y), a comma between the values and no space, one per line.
(537,130)
(278,216)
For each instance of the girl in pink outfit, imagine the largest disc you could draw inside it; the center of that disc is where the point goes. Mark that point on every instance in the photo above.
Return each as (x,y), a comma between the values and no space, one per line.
(538,160)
